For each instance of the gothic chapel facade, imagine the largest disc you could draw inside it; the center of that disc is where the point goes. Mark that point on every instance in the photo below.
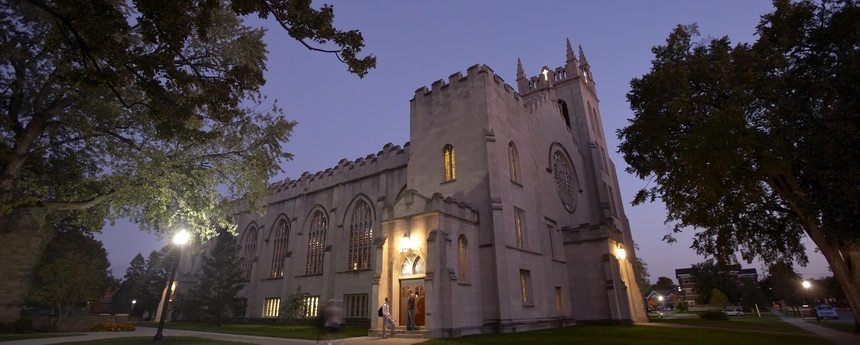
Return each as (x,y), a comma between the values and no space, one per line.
(502,213)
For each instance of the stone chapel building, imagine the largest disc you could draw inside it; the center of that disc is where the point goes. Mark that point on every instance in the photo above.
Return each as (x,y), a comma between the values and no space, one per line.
(502,213)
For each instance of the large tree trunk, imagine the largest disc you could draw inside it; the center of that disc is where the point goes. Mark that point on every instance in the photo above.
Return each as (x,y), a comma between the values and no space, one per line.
(24,235)
(844,260)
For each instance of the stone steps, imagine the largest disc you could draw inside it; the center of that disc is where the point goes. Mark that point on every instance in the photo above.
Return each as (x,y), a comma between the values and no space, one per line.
(401,332)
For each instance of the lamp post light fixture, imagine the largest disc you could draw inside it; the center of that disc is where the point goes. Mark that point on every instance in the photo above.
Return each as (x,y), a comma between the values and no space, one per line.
(660,298)
(807,284)
(179,239)
(621,253)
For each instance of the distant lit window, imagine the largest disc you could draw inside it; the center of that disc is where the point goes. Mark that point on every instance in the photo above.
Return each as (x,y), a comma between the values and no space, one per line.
(360,237)
(279,250)
(311,305)
(271,307)
(519,216)
(450,168)
(514,158)
(316,243)
(526,286)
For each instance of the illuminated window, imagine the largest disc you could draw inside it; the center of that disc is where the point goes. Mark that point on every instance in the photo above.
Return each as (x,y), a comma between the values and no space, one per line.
(559,305)
(316,244)
(311,305)
(360,237)
(450,169)
(464,258)
(249,252)
(526,287)
(519,216)
(355,306)
(279,250)
(514,162)
(412,265)
(271,307)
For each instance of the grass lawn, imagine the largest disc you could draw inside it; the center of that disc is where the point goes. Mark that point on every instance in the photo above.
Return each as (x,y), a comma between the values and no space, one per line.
(167,340)
(297,332)
(11,337)
(640,335)
(767,322)
(839,326)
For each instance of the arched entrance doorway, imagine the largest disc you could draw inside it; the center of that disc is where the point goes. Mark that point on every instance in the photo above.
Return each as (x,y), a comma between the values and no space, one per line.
(412,284)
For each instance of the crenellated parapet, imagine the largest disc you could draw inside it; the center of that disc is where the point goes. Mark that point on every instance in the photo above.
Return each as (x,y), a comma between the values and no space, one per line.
(457,82)
(390,157)
(574,70)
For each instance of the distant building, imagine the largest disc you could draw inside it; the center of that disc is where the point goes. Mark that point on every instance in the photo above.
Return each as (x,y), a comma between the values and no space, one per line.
(654,301)
(688,283)
(502,213)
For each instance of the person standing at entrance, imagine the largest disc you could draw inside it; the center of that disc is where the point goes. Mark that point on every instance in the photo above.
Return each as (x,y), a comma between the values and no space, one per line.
(410,311)
(386,317)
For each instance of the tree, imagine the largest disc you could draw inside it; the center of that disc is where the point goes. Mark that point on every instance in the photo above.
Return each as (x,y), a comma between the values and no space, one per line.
(755,146)
(294,307)
(751,294)
(710,277)
(664,283)
(156,122)
(130,288)
(219,282)
(718,298)
(74,270)
(644,277)
(783,284)
(151,287)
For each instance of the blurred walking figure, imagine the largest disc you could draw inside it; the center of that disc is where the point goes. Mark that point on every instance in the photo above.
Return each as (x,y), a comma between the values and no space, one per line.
(332,320)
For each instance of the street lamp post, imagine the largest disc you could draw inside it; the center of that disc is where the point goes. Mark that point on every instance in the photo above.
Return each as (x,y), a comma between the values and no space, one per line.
(133,302)
(806,285)
(179,239)
(660,298)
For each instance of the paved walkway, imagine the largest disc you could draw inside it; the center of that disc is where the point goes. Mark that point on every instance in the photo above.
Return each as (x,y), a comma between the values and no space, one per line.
(149,332)
(836,337)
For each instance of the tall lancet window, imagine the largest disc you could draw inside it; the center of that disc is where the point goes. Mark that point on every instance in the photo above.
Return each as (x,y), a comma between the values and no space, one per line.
(514,159)
(249,252)
(360,237)
(464,258)
(279,250)
(316,243)
(450,169)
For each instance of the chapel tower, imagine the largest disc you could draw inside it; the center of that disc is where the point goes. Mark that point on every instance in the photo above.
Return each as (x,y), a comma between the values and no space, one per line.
(574,89)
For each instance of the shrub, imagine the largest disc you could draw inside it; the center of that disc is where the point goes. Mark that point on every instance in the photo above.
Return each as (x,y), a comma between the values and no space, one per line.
(23,325)
(714,315)
(112,327)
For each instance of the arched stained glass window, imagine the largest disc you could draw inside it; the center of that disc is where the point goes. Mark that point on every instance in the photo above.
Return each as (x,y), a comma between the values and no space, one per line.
(450,163)
(360,237)
(249,252)
(279,249)
(464,258)
(316,243)
(514,159)
(412,265)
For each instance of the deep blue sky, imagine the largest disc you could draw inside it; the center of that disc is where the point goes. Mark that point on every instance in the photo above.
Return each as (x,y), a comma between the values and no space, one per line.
(418,42)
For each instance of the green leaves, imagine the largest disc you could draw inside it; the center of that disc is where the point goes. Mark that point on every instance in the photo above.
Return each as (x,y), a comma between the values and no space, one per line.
(748,143)
(152,112)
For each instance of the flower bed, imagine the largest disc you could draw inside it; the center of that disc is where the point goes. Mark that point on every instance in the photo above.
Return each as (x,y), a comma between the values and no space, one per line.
(112,327)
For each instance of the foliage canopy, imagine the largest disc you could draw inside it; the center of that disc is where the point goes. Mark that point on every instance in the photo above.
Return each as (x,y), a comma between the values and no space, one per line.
(149,109)
(756,145)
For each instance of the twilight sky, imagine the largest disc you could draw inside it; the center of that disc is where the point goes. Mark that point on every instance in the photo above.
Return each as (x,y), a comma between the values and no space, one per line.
(419,42)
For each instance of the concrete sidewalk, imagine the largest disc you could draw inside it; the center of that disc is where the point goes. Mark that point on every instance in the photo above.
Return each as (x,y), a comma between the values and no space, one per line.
(834,336)
(150,332)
